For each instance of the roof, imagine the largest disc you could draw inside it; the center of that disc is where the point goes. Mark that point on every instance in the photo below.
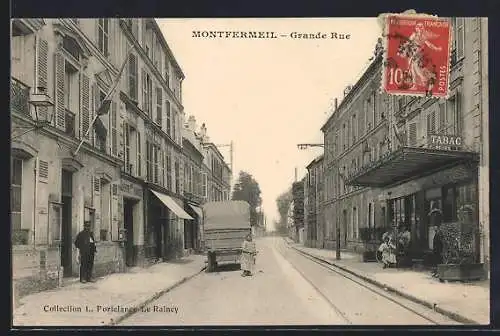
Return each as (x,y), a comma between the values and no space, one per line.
(316,160)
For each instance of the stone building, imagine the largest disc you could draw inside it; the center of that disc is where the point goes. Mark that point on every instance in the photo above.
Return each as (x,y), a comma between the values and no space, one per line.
(389,160)
(126,176)
(313,203)
(195,185)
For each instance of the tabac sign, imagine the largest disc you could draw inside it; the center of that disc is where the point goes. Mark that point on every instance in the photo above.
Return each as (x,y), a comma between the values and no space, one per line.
(444,141)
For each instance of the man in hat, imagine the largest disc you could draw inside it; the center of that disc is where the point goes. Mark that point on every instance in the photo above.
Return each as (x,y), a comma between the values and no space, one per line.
(85,243)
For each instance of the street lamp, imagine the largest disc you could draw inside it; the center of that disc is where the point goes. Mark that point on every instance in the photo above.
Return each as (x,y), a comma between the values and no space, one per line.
(38,100)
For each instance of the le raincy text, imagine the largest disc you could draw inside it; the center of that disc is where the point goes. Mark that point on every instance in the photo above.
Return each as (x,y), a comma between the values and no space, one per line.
(211,34)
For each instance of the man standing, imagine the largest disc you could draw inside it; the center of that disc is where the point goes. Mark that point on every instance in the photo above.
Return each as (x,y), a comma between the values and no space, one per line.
(85,243)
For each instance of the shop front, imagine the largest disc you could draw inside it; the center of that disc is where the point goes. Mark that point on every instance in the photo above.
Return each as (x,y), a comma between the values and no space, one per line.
(193,228)
(418,183)
(164,234)
(133,219)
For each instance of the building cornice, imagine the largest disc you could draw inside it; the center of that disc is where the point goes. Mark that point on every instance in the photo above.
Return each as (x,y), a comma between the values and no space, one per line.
(163,41)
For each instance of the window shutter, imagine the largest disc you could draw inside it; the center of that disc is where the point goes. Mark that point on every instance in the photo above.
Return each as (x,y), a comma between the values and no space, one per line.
(97,185)
(442,118)
(458,113)
(42,75)
(96,102)
(144,91)
(60,109)
(114,212)
(43,171)
(114,130)
(84,106)
(412,134)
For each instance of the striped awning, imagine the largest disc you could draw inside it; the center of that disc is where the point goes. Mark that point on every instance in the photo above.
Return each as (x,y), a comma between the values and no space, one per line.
(407,163)
(172,205)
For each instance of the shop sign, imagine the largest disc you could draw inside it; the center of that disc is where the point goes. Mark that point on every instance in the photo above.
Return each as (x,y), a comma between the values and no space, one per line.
(130,189)
(443,141)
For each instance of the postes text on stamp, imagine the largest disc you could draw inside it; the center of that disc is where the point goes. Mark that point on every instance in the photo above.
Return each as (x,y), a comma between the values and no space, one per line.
(417,57)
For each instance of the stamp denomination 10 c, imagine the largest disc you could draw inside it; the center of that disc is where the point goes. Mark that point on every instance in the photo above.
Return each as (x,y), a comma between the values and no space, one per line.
(417,57)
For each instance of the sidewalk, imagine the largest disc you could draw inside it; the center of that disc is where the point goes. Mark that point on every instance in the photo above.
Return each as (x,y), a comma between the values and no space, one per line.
(88,304)
(464,302)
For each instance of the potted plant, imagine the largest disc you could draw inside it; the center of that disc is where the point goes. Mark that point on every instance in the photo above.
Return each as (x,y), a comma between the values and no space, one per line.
(368,238)
(460,251)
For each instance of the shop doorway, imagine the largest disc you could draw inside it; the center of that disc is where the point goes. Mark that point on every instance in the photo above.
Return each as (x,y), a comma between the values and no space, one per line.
(128,224)
(66,223)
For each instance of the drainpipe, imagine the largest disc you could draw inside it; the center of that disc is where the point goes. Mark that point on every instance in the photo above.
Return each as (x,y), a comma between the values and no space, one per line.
(35,192)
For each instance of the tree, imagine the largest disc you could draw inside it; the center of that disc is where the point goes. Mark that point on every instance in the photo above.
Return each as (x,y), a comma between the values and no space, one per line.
(283,203)
(247,189)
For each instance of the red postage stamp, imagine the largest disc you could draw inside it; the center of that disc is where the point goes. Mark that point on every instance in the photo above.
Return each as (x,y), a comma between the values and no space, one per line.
(417,58)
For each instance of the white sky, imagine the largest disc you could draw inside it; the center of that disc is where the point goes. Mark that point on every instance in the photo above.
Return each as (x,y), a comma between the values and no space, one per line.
(267,96)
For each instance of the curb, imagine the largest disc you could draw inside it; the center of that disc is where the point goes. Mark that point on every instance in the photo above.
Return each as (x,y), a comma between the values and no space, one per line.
(152,298)
(434,306)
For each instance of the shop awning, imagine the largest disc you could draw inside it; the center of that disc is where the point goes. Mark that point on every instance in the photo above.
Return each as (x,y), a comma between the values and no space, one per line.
(407,163)
(197,210)
(172,205)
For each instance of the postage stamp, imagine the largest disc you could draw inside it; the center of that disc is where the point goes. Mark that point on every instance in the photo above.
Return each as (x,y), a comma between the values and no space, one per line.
(417,55)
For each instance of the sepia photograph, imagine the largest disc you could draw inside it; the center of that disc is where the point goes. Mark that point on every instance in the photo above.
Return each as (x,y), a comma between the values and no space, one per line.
(250,171)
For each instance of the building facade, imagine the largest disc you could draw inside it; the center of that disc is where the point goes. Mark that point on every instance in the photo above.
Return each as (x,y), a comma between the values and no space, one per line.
(219,174)
(195,185)
(126,177)
(390,160)
(313,204)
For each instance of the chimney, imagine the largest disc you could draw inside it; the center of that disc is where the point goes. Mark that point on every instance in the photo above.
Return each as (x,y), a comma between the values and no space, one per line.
(192,123)
(336,104)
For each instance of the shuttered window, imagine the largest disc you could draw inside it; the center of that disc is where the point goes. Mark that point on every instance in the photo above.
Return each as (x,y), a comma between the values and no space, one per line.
(167,71)
(139,154)
(103,36)
(169,118)
(132,76)
(42,75)
(412,134)
(442,118)
(159,103)
(60,91)
(43,170)
(84,106)
(169,171)
(431,122)
(114,130)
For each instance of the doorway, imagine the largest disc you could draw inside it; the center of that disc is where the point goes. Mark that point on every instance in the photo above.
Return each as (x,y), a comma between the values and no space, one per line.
(66,227)
(128,223)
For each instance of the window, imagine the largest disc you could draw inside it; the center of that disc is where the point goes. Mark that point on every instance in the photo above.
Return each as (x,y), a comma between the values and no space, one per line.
(374,108)
(344,140)
(167,71)
(19,236)
(103,36)
(354,129)
(169,171)
(139,154)
(366,112)
(149,166)
(100,137)
(412,134)
(132,76)
(169,118)
(126,145)
(162,168)
(113,115)
(177,176)
(174,125)
(153,162)
(355,223)
(454,115)
(431,122)
(159,103)
(459,37)
(147,93)
(204,185)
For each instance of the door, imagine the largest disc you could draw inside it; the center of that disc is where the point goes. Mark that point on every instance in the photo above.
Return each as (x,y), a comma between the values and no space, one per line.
(66,227)
(128,217)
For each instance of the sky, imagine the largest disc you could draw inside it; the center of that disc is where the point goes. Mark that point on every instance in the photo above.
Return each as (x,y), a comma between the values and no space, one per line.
(268,95)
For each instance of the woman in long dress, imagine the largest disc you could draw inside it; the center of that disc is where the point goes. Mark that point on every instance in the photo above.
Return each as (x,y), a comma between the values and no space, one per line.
(248,253)
(413,50)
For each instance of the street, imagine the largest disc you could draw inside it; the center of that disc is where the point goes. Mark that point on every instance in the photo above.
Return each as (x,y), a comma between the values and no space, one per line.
(287,289)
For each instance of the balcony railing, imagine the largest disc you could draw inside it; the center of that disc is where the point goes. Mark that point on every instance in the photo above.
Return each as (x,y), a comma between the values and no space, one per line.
(19,97)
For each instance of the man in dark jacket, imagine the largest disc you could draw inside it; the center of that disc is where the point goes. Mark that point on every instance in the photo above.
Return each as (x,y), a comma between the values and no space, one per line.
(437,249)
(85,243)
